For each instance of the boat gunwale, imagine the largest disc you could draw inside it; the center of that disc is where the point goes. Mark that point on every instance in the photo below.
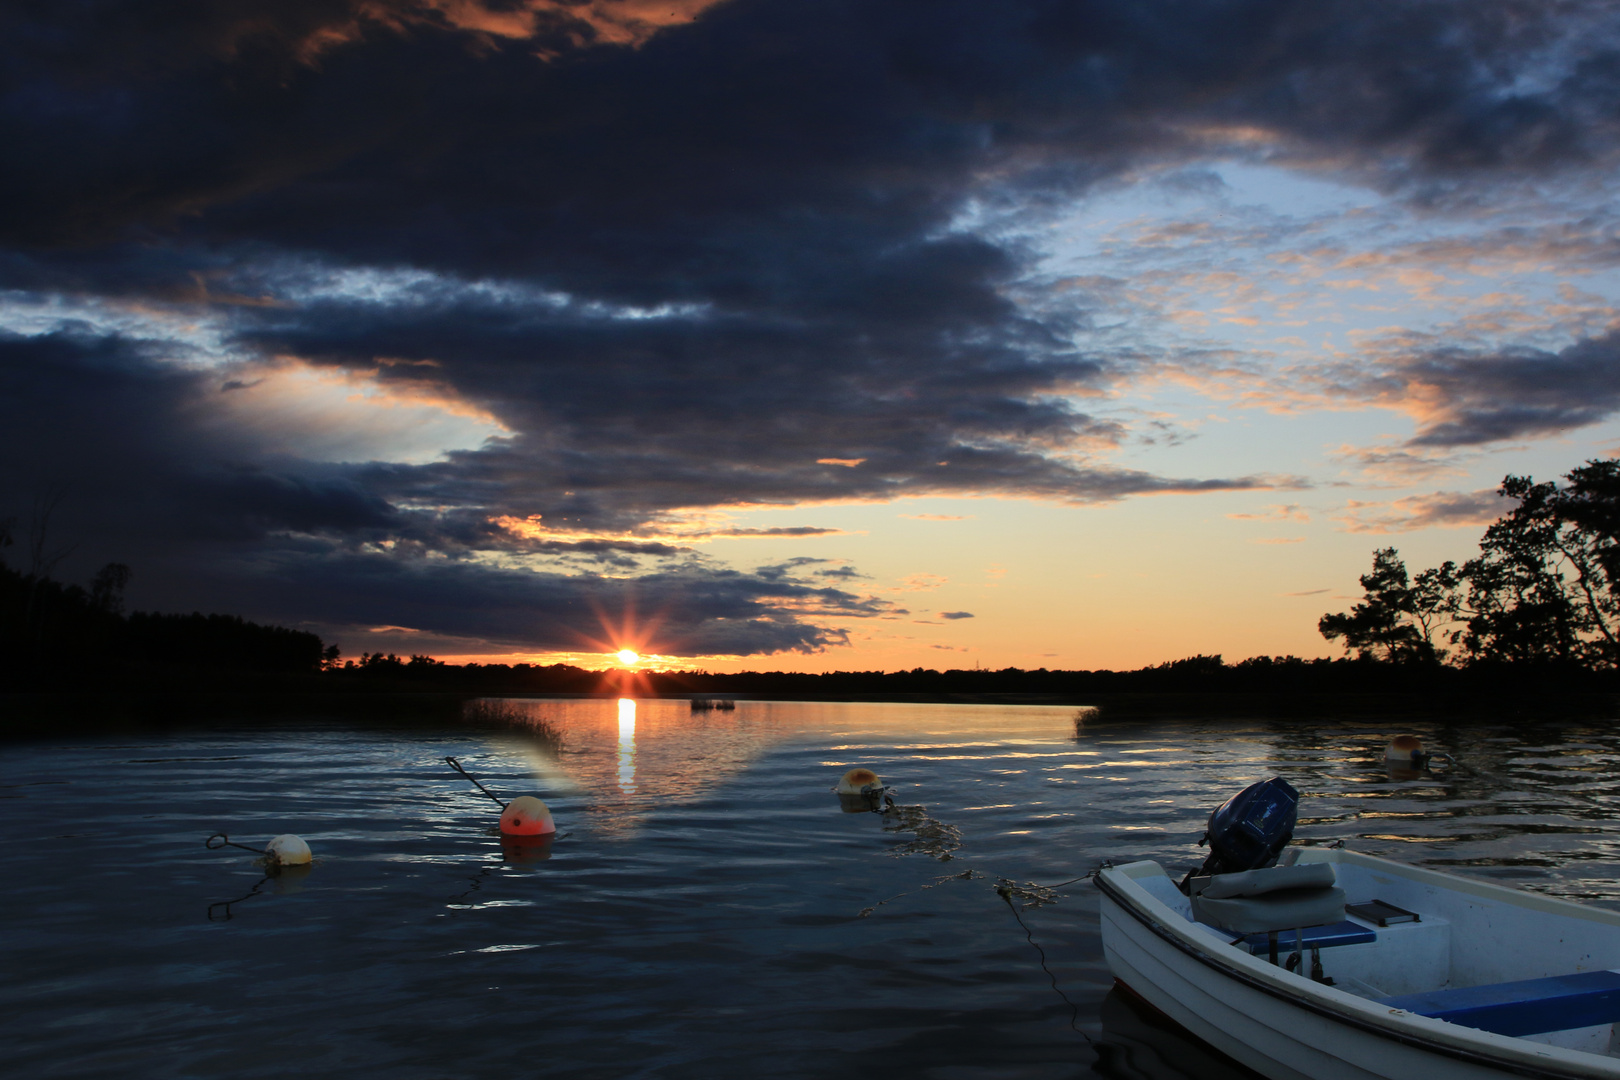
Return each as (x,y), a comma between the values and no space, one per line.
(1503,1059)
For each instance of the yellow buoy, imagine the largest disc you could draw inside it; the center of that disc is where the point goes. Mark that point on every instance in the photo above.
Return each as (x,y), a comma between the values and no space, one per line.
(527,816)
(860,791)
(288,850)
(1404,749)
(289,879)
(857,779)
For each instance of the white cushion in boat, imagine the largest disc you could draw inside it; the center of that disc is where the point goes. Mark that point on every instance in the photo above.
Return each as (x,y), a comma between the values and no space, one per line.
(1274,898)
(1284,909)
(1269,880)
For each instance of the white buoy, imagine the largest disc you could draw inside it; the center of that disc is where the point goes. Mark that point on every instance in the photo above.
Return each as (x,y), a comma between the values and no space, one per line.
(857,779)
(527,816)
(1404,750)
(288,850)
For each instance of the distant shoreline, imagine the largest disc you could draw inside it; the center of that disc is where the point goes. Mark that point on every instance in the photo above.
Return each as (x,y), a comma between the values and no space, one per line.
(60,714)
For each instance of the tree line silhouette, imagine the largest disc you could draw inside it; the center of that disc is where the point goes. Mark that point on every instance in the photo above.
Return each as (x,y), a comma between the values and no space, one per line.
(1538,608)
(1543,593)
(55,635)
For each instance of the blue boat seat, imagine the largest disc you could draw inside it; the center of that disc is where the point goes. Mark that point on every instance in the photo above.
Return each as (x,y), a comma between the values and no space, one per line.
(1316,937)
(1526,1007)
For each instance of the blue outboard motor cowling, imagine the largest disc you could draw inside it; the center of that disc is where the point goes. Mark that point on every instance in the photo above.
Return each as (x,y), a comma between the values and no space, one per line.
(1251,828)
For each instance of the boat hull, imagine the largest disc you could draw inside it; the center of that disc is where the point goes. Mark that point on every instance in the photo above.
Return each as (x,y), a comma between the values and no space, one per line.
(1288,1028)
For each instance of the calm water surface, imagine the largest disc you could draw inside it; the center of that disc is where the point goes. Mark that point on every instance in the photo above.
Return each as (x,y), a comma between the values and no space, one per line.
(700,914)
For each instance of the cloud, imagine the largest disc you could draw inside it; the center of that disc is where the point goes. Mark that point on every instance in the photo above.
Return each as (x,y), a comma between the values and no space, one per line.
(1400,464)
(1276,512)
(613,266)
(786,530)
(1308,592)
(606,22)
(365,106)
(692,610)
(956,614)
(1467,397)
(921,582)
(1440,509)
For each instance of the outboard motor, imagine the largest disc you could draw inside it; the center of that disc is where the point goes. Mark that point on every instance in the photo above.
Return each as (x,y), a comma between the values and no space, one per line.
(1250,829)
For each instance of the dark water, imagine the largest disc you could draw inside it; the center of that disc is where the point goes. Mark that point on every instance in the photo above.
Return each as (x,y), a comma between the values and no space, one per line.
(700,915)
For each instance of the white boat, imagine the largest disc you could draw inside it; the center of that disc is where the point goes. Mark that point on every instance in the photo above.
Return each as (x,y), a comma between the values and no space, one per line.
(1465,979)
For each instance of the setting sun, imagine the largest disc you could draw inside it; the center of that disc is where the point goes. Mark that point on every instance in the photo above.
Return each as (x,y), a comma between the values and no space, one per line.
(627,658)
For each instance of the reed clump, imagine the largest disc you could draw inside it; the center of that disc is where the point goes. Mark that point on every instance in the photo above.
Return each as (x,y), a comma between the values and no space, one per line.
(521,716)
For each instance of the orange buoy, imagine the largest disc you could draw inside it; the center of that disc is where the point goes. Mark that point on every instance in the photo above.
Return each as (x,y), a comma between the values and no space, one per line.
(526,849)
(527,816)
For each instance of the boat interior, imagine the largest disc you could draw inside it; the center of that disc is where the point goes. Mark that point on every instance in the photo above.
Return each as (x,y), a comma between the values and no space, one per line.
(1491,958)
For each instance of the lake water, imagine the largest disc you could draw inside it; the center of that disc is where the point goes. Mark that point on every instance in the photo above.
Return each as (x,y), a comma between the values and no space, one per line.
(700,913)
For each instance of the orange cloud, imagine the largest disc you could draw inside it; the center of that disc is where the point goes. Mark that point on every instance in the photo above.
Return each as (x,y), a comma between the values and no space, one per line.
(592,22)
(921,583)
(1286,512)
(610,22)
(533,527)
(1440,509)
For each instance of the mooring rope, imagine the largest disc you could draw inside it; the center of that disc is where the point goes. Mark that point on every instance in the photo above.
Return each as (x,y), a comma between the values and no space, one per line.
(225,841)
(1006,894)
(456,765)
(226,904)
(1030,894)
(966,875)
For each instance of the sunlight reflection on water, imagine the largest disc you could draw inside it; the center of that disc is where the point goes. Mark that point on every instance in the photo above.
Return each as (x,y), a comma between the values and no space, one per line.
(627,746)
(699,913)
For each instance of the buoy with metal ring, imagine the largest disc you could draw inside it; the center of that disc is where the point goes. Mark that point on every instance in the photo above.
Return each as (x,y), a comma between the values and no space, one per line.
(1405,750)
(860,791)
(521,850)
(287,850)
(858,782)
(527,816)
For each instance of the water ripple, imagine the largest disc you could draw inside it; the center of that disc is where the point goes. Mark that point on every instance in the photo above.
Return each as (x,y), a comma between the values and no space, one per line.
(701,913)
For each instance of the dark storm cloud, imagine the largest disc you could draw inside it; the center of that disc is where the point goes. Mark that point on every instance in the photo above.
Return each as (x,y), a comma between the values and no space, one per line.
(307,537)
(122,430)
(633,415)
(831,124)
(692,265)
(687,610)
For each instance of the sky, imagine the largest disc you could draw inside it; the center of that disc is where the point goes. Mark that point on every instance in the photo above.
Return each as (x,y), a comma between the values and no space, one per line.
(768,334)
